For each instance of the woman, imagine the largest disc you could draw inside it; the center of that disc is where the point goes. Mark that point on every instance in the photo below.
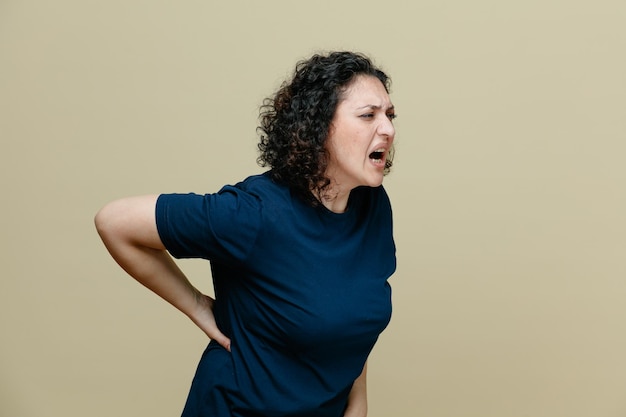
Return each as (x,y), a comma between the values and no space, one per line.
(300,255)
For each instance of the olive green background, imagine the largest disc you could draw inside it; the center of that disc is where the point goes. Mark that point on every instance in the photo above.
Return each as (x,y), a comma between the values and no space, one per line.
(509,193)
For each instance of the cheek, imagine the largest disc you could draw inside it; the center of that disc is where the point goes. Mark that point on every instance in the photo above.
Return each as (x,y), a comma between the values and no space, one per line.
(354,137)
(348,143)
(353,148)
(361,141)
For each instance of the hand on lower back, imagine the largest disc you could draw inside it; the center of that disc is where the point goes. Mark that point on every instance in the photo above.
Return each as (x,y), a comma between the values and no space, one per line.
(205,320)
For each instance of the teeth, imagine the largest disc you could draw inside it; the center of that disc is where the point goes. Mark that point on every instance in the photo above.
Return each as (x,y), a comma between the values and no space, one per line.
(377,154)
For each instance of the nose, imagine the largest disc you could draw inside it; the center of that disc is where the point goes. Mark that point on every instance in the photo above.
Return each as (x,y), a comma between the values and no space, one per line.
(386,128)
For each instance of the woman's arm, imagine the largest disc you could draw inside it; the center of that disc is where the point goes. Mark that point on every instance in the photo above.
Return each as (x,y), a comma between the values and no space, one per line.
(357,401)
(128,229)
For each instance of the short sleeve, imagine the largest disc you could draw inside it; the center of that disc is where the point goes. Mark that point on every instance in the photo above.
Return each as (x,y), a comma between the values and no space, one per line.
(221,226)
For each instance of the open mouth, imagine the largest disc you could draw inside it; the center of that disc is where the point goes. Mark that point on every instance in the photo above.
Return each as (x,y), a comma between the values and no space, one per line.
(377,155)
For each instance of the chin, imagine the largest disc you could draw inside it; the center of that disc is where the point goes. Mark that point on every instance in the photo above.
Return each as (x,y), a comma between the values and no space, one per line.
(375,183)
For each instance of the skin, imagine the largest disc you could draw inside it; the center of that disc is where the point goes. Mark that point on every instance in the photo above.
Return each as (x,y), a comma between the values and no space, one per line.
(362,124)
(128,229)
(357,401)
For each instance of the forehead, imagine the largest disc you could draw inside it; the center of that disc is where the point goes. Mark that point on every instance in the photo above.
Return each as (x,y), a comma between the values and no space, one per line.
(366,90)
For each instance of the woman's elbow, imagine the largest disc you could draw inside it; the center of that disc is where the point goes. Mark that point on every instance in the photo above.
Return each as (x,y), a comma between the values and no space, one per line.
(129,220)
(105,221)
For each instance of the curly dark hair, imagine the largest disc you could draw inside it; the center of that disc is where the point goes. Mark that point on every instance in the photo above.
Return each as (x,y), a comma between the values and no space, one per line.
(295,122)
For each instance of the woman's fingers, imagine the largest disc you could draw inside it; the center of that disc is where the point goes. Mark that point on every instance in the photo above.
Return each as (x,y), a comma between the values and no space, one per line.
(209,326)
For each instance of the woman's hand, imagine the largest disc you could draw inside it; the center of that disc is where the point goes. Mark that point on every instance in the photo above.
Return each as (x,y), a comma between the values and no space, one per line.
(357,401)
(205,320)
(128,229)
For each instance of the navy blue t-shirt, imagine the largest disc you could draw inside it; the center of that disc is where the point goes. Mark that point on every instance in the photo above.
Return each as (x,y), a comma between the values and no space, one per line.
(301,291)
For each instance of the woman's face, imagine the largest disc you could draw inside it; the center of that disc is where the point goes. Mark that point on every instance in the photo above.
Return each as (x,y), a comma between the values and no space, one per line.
(361,135)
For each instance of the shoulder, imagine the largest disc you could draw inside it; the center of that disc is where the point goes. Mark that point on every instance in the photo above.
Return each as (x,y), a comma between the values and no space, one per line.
(269,194)
(259,185)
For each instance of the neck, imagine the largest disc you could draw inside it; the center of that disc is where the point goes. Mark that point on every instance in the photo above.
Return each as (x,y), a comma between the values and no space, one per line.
(335,199)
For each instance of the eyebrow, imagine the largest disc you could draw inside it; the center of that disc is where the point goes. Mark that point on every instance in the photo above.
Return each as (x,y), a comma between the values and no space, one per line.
(375,107)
